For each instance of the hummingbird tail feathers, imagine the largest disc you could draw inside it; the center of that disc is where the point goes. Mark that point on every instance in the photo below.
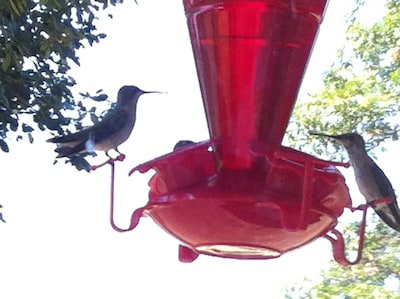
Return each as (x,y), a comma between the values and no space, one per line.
(390,214)
(67,151)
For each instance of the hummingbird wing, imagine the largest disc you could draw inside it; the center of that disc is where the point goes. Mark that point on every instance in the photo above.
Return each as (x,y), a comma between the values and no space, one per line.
(389,213)
(71,138)
(113,123)
(71,144)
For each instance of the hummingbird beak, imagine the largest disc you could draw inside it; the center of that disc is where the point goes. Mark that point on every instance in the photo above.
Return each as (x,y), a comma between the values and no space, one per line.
(340,138)
(324,135)
(153,92)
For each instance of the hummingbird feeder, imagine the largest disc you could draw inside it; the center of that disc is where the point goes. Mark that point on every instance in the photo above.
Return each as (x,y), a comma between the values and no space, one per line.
(242,194)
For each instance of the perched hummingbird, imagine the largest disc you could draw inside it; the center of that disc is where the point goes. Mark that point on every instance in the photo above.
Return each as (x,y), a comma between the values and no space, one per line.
(109,133)
(182,143)
(371,180)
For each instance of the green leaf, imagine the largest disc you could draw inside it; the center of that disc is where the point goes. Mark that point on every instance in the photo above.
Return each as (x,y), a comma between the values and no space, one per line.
(6,62)
(79,162)
(30,137)
(4,146)
(15,7)
(26,128)
(100,98)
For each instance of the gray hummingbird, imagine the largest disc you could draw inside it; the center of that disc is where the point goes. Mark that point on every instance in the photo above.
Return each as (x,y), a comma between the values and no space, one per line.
(371,180)
(107,134)
(182,143)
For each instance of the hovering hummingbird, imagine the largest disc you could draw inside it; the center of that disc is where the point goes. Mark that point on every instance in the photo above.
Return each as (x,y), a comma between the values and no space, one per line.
(109,133)
(371,180)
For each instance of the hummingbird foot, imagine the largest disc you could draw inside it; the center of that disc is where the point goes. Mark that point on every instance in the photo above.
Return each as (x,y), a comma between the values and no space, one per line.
(374,203)
(121,157)
(379,201)
(110,161)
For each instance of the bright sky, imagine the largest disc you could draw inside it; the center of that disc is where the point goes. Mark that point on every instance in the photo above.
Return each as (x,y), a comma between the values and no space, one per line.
(58,243)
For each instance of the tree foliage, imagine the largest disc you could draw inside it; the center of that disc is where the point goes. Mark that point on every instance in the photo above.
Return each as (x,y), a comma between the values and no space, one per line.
(361,93)
(376,276)
(39,40)
(361,89)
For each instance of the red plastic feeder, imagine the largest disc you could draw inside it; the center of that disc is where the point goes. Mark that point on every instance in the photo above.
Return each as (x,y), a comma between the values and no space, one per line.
(242,194)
